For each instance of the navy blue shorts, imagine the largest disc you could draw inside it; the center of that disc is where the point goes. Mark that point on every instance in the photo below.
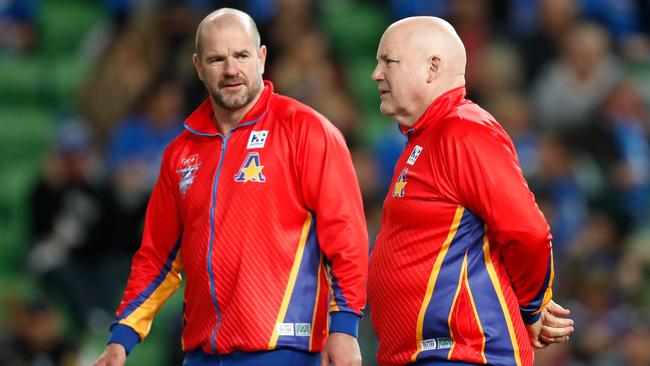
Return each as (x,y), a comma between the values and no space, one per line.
(272,358)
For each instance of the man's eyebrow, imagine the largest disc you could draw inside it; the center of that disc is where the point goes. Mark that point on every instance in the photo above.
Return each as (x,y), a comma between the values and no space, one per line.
(385,57)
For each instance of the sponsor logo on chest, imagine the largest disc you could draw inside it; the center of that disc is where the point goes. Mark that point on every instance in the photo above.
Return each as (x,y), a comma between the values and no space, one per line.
(257,139)
(415,154)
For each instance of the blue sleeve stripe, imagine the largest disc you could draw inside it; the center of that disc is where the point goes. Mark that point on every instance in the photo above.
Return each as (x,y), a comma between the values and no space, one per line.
(345,322)
(124,335)
(146,293)
(534,306)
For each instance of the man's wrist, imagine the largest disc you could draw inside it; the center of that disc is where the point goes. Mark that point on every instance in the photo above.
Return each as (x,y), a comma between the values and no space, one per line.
(531,318)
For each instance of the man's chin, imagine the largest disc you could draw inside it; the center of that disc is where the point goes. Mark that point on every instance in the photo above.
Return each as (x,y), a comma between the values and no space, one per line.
(386,109)
(231,104)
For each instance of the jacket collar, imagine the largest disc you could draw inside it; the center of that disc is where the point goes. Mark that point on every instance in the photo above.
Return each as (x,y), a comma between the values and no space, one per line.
(201,121)
(437,110)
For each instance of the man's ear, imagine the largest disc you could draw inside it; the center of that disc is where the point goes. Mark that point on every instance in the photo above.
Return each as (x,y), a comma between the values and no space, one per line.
(262,57)
(434,68)
(196,60)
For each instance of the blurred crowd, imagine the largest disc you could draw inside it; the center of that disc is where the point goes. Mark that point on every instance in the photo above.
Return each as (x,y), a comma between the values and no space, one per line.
(568,79)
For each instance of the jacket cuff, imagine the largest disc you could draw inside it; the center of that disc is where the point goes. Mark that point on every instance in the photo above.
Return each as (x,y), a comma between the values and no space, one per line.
(124,335)
(344,322)
(530,318)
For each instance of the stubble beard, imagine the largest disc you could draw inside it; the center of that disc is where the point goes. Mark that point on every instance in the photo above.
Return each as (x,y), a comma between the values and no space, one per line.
(237,101)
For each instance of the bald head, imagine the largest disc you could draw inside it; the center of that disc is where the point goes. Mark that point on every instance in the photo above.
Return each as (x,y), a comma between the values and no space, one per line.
(418,59)
(226,17)
(431,37)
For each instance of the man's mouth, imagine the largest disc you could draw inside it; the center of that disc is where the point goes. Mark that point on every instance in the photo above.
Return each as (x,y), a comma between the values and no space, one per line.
(232,85)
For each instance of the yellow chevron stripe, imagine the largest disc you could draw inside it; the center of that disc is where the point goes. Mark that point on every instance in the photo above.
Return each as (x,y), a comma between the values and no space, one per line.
(478,320)
(461,279)
(497,286)
(313,317)
(433,277)
(288,291)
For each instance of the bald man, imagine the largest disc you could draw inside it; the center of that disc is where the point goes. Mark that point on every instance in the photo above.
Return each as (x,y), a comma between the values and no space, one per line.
(462,268)
(266,225)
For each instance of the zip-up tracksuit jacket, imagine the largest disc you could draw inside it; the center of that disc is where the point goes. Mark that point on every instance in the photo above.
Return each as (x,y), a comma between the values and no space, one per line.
(267,226)
(463,258)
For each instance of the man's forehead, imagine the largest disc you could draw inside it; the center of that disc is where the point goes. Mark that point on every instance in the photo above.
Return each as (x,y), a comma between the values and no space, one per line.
(388,49)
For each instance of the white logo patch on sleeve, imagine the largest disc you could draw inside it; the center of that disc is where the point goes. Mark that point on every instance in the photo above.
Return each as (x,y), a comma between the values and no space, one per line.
(257,139)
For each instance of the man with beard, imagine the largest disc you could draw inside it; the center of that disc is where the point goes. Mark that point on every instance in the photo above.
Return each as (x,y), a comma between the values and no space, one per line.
(258,205)
(462,269)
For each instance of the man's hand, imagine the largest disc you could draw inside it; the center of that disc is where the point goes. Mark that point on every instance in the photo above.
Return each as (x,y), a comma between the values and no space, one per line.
(114,355)
(341,350)
(552,327)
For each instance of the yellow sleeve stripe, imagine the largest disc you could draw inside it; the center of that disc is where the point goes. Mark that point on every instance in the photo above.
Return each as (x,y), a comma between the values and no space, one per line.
(141,318)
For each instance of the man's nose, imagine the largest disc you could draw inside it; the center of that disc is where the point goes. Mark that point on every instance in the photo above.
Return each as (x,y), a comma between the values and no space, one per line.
(377,74)
(230,67)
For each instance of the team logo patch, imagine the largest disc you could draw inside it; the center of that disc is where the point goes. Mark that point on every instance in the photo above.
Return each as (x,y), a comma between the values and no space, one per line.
(303,329)
(414,155)
(398,191)
(285,329)
(251,169)
(187,171)
(436,343)
(257,139)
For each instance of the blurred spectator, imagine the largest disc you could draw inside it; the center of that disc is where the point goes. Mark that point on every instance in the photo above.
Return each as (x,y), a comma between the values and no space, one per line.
(627,122)
(602,319)
(563,200)
(512,110)
(543,42)
(135,151)
(72,252)
(130,62)
(472,20)
(571,88)
(633,346)
(621,17)
(633,272)
(34,336)
(137,145)
(408,8)
(18,25)
(501,71)
(305,71)
(597,247)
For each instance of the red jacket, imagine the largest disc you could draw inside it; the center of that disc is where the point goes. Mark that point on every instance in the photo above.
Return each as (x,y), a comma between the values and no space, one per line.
(463,252)
(267,225)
